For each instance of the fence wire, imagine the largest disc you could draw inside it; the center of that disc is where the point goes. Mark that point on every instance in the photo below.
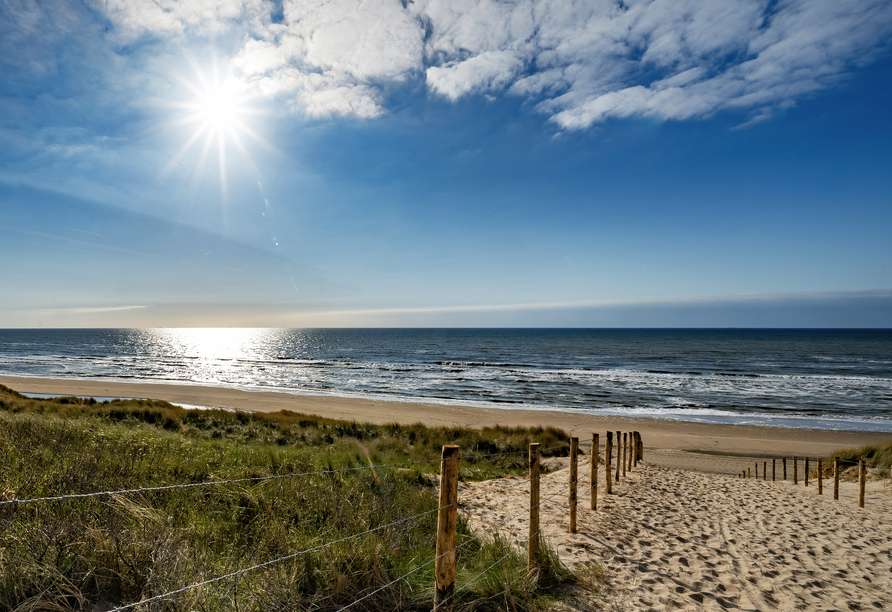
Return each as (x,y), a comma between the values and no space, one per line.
(255,479)
(210,483)
(250,479)
(274,561)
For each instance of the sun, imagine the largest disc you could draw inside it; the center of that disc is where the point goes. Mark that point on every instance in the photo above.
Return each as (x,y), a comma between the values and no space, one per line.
(214,117)
(218,110)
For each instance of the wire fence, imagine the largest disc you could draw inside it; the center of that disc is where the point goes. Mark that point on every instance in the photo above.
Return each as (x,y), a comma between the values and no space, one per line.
(253,479)
(258,566)
(209,483)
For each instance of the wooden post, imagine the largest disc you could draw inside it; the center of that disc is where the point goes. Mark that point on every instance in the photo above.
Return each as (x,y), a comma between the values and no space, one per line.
(805,478)
(785,468)
(640,448)
(820,476)
(635,449)
(596,447)
(773,470)
(862,478)
(795,471)
(446,524)
(632,445)
(574,458)
(608,452)
(533,542)
(625,451)
(836,478)
(619,446)
(764,470)
(749,474)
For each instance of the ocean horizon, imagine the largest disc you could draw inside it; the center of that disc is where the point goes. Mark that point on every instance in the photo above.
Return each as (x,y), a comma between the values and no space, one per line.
(803,378)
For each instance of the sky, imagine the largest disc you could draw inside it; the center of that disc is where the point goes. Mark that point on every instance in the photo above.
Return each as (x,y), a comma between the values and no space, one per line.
(545,163)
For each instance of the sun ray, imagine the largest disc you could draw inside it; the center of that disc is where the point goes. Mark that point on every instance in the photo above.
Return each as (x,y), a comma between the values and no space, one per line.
(239,145)
(218,116)
(199,168)
(175,160)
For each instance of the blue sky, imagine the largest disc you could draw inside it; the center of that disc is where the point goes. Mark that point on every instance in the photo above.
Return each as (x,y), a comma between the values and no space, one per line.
(469,163)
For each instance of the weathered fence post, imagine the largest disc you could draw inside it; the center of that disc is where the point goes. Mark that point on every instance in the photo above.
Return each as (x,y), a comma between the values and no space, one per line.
(795,470)
(749,473)
(820,476)
(757,470)
(574,458)
(862,478)
(626,439)
(619,447)
(640,448)
(836,478)
(631,450)
(773,470)
(764,470)
(632,446)
(596,447)
(635,449)
(785,468)
(805,478)
(533,542)
(608,457)
(446,524)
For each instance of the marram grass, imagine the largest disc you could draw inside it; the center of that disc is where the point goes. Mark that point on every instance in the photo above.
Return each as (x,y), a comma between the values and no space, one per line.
(100,552)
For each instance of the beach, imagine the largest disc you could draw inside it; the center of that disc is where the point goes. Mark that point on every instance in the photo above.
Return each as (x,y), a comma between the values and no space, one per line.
(679,539)
(657,433)
(681,531)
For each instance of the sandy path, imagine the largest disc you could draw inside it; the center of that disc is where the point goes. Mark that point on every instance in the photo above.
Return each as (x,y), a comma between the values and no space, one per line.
(677,539)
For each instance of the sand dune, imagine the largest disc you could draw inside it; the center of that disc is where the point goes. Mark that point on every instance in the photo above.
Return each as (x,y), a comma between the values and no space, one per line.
(682,532)
(742,439)
(680,539)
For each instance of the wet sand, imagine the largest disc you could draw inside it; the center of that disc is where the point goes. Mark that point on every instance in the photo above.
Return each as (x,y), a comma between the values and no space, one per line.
(663,434)
(680,532)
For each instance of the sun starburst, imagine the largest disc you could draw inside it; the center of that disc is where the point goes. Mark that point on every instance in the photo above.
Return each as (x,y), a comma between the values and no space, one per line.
(215,117)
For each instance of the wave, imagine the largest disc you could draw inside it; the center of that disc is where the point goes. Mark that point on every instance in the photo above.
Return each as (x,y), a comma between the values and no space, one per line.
(694,376)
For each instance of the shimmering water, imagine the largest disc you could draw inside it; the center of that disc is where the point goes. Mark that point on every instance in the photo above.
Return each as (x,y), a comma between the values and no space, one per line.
(839,379)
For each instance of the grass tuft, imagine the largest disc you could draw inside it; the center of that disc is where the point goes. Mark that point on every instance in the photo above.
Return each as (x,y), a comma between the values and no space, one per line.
(99,552)
(874,455)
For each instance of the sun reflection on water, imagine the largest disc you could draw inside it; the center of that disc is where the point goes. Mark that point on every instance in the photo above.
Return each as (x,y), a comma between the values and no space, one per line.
(217,354)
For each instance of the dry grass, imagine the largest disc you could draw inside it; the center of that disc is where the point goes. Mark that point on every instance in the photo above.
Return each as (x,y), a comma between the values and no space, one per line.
(95,553)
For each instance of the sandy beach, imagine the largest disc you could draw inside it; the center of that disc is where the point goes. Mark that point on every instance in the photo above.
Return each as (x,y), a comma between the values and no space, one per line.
(680,532)
(709,438)
(683,539)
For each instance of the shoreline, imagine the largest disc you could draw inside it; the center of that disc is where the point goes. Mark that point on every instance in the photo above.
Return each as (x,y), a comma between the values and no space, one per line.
(755,440)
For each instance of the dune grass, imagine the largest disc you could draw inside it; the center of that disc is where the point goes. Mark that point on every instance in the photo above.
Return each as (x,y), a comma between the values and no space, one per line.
(100,552)
(874,455)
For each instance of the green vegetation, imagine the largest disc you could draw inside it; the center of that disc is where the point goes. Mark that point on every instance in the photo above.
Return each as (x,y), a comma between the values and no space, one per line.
(100,552)
(874,456)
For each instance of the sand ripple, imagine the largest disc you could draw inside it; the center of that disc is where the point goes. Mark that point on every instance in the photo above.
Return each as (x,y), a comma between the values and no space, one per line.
(678,539)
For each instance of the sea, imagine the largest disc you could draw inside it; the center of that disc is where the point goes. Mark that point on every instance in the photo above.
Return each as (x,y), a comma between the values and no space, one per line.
(822,379)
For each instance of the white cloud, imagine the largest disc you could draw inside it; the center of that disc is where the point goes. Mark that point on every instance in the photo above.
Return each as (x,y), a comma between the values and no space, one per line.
(579,61)
(484,72)
(165,17)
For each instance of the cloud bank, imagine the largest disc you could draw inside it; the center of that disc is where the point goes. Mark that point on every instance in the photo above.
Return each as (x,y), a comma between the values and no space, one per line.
(826,309)
(580,62)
